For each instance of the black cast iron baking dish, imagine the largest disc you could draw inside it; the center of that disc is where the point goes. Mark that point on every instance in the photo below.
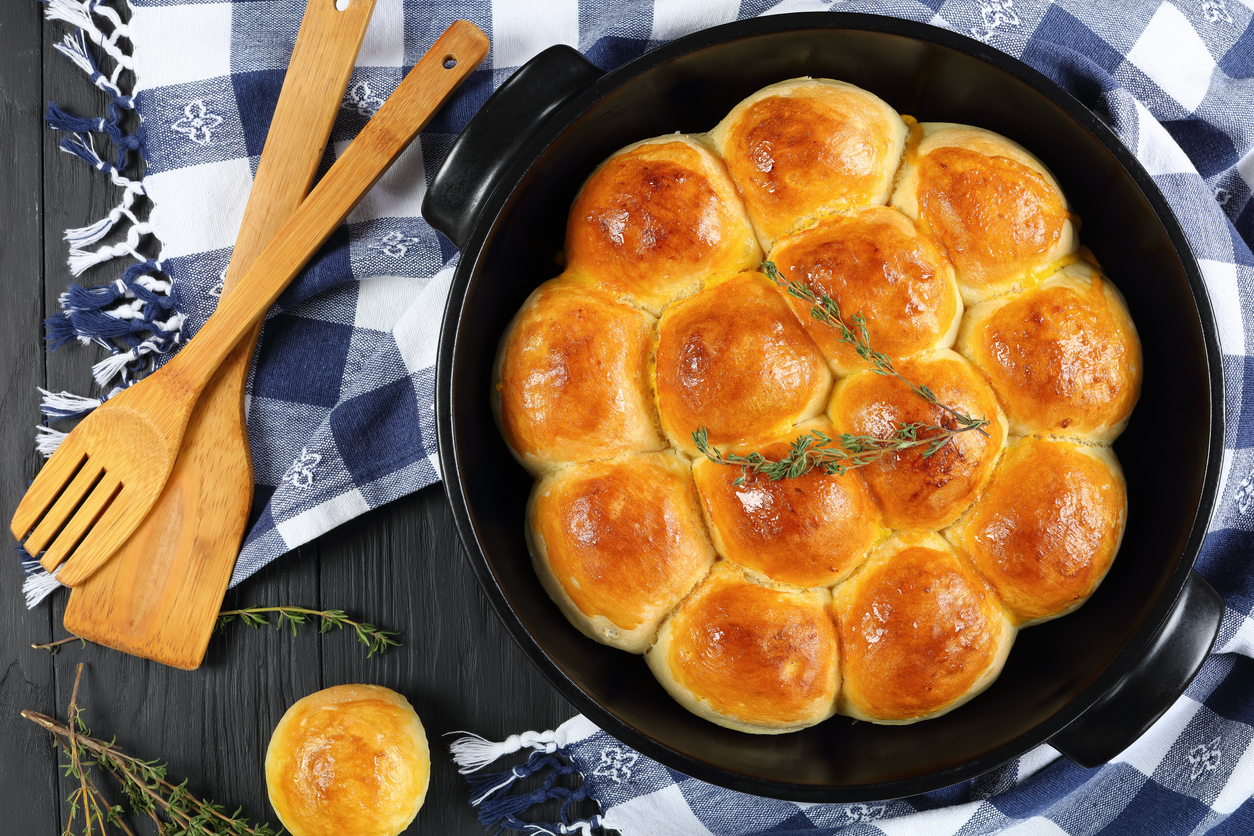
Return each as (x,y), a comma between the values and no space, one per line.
(1088,683)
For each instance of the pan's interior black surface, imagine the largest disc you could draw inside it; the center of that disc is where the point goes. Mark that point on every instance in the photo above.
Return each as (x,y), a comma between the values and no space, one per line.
(1051,666)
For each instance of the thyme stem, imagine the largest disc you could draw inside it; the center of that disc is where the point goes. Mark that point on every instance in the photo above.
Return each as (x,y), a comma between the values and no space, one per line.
(826,310)
(144,783)
(375,639)
(840,453)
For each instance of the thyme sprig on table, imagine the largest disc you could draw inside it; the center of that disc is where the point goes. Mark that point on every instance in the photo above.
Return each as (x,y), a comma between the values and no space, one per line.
(172,807)
(375,640)
(845,451)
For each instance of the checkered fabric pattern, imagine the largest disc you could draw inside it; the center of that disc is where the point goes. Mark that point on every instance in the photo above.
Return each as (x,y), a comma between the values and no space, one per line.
(340,395)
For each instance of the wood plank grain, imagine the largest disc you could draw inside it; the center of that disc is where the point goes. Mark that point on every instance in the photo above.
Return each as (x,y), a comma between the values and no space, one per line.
(27,760)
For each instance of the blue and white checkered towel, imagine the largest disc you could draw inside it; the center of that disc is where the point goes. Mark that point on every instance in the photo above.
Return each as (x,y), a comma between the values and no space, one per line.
(340,407)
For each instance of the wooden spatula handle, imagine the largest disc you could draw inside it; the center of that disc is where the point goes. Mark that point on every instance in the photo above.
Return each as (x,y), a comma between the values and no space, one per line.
(445,66)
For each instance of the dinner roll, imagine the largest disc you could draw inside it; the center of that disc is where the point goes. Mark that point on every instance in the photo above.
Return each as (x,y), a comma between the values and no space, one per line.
(914,489)
(616,544)
(920,632)
(571,381)
(812,530)
(1047,527)
(992,206)
(1064,357)
(734,360)
(809,147)
(875,264)
(750,655)
(351,760)
(657,218)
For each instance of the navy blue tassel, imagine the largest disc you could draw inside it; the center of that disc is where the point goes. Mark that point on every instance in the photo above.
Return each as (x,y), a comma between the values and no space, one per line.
(59,119)
(58,330)
(79,298)
(499,809)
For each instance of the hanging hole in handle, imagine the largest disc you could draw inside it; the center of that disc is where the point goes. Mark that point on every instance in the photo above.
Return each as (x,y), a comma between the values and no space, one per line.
(341,5)
(449,62)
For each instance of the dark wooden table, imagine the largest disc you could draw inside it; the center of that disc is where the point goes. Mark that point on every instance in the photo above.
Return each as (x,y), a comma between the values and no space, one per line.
(401,566)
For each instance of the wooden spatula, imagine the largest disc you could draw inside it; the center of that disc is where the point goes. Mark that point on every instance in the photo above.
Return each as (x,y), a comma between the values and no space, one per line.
(159,595)
(108,473)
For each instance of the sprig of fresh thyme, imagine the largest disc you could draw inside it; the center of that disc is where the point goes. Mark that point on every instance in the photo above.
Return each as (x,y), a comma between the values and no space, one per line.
(840,453)
(834,454)
(826,310)
(375,640)
(173,809)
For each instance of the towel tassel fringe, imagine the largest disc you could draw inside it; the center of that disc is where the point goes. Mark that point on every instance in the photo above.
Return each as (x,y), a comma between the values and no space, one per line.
(500,808)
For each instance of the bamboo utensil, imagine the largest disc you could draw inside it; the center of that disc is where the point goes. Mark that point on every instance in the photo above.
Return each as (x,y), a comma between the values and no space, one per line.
(107,474)
(159,595)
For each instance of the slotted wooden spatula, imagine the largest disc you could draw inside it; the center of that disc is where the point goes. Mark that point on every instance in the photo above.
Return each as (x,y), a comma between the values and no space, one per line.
(159,595)
(108,473)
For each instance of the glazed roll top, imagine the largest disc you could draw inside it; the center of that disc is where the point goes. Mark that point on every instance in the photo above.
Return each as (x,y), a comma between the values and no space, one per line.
(809,147)
(873,263)
(1064,357)
(756,657)
(734,360)
(917,489)
(809,531)
(920,632)
(618,543)
(1045,531)
(657,218)
(992,206)
(571,378)
(351,760)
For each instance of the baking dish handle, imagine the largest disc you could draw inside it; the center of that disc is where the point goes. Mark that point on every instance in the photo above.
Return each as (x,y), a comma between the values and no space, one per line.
(1152,684)
(490,142)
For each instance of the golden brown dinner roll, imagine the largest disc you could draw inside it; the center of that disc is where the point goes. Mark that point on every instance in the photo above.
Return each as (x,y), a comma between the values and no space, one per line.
(874,263)
(755,657)
(812,530)
(1064,357)
(920,632)
(348,761)
(993,207)
(1047,527)
(571,381)
(734,360)
(618,543)
(809,147)
(657,218)
(916,490)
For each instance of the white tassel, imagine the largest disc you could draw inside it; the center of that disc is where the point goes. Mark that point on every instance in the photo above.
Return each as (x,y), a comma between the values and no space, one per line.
(88,235)
(85,236)
(74,47)
(39,586)
(111,367)
(75,14)
(472,752)
(56,404)
(81,260)
(79,14)
(47,440)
